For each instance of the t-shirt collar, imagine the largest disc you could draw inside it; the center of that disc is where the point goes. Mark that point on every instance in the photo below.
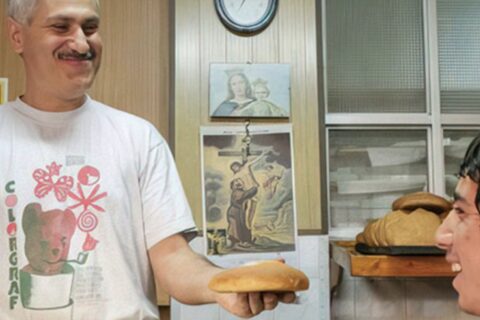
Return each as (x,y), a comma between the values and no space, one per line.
(47,117)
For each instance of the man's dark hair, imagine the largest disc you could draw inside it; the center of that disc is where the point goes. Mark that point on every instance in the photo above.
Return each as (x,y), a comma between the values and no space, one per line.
(470,166)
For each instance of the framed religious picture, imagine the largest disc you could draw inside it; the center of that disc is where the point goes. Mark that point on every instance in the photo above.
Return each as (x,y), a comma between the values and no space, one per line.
(250,90)
(248,190)
(3,90)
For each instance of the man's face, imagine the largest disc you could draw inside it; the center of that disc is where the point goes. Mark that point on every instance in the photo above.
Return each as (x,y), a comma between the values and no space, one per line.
(459,234)
(61,47)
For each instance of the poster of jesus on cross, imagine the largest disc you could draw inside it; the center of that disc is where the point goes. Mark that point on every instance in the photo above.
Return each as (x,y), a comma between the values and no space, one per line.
(248,189)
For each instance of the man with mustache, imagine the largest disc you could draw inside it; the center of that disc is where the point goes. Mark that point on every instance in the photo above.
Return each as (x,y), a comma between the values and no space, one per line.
(459,233)
(138,214)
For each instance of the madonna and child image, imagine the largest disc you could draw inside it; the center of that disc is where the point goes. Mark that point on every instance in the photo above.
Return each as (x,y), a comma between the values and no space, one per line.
(250,90)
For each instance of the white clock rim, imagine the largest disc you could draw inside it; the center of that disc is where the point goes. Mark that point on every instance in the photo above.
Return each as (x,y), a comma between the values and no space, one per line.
(258,25)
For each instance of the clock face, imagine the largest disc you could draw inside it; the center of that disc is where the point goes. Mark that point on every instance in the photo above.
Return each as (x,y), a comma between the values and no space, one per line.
(246,12)
(246,15)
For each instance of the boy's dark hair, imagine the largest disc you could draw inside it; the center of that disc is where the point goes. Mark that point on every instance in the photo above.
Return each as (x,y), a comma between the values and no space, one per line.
(470,166)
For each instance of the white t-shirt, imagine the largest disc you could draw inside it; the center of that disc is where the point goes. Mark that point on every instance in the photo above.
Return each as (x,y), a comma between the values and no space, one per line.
(83,195)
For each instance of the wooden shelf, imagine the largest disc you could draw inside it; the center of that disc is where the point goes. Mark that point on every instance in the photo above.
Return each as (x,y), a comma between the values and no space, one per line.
(360,265)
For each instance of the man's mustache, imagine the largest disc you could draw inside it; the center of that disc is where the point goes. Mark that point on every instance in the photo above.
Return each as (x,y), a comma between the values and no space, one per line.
(77,56)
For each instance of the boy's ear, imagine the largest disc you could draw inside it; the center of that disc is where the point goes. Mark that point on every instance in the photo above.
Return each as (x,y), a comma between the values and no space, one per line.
(15,35)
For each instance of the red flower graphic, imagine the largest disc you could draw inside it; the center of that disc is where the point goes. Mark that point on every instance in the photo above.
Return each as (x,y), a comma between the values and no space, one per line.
(87,201)
(45,183)
(54,169)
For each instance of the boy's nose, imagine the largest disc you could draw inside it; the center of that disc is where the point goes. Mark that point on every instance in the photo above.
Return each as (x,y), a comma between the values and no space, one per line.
(443,240)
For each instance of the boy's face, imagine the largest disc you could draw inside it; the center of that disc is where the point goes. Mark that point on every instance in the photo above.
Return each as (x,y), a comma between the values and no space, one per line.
(459,234)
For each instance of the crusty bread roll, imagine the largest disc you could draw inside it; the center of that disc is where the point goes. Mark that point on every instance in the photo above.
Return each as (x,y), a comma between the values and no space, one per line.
(360,238)
(271,276)
(374,233)
(391,219)
(413,222)
(424,200)
(381,234)
(368,233)
(415,229)
(401,228)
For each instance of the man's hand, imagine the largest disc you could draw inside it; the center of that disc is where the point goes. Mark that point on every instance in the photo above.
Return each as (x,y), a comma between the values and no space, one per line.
(185,275)
(247,305)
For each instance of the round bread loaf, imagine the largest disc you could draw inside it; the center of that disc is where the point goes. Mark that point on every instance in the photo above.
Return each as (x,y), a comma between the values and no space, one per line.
(401,228)
(381,236)
(391,219)
(374,232)
(424,200)
(414,229)
(368,233)
(360,238)
(264,276)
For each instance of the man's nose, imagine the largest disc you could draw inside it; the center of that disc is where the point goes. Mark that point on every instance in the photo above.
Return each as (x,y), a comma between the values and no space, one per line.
(79,41)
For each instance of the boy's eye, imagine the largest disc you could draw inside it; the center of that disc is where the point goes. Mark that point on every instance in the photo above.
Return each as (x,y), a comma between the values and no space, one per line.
(458,211)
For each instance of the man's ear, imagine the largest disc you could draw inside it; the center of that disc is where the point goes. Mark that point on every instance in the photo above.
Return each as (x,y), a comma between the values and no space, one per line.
(15,35)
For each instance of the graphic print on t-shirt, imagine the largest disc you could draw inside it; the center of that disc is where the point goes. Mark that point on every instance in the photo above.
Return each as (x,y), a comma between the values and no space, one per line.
(47,279)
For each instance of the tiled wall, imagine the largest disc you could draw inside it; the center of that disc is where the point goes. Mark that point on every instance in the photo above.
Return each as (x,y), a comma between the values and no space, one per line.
(359,298)
(312,304)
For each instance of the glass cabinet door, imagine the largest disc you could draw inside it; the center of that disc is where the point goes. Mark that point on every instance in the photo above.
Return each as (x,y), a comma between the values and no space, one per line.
(401,83)
(370,168)
(375,56)
(458,55)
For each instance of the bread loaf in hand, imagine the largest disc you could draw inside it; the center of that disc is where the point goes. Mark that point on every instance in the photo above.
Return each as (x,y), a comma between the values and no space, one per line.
(265,276)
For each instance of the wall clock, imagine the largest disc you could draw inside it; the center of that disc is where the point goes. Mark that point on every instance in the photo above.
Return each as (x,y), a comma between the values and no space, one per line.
(246,16)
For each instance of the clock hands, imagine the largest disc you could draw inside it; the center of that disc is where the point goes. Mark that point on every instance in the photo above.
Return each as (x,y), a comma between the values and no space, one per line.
(241,4)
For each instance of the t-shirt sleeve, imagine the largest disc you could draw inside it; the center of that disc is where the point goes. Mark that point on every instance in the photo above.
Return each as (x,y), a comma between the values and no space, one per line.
(165,207)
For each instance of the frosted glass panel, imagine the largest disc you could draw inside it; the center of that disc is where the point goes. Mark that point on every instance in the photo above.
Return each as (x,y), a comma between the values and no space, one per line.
(368,169)
(375,56)
(459,55)
(455,143)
